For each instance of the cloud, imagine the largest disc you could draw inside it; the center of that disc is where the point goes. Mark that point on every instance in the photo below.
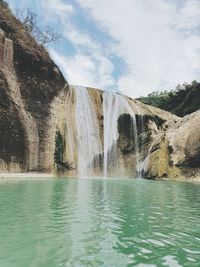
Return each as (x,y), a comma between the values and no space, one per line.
(80,69)
(57,7)
(159,40)
(89,65)
(131,46)
(80,39)
(188,18)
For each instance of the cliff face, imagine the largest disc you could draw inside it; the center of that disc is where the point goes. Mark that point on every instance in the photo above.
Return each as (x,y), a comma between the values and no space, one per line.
(105,133)
(176,154)
(30,84)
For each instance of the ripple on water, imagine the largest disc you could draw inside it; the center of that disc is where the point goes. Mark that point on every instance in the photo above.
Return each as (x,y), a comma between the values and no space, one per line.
(99,223)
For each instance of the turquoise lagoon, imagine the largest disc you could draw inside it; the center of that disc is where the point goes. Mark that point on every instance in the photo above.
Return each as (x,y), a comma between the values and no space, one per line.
(99,222)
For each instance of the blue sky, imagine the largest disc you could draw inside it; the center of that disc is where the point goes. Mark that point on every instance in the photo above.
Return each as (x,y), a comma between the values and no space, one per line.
(131,46)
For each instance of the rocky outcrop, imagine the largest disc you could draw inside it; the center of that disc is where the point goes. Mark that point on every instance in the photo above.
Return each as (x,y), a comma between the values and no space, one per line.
(177,154)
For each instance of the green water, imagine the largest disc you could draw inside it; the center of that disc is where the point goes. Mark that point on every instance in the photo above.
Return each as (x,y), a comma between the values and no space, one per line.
(80,222)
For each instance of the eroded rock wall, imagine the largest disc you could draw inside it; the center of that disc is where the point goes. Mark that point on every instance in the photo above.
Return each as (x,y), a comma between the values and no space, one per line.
(30,83)
(177,154)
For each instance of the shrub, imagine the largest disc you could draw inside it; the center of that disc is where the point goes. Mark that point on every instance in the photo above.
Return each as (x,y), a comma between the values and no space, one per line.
(59,148)
(184,100)
(44,35)
(3,3)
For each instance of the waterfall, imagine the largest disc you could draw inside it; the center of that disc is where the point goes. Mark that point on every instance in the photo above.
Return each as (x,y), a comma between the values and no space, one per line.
(116,113)
(141,162)
(113,106)
(88,137)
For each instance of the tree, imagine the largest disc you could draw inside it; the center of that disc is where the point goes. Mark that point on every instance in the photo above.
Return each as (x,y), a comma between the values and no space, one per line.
(59,152)
(194,83)
(3,3)
(48,35)
(44,35)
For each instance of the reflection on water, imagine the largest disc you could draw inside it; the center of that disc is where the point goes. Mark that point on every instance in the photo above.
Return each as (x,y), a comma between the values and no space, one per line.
(80,222)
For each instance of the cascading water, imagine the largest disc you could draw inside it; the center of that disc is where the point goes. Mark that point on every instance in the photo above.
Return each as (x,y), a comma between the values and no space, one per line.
(120,135)
(115,105)
(88,136)
(141,162)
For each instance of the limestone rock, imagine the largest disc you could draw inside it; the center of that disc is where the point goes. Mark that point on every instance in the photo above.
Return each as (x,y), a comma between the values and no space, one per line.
(29,85)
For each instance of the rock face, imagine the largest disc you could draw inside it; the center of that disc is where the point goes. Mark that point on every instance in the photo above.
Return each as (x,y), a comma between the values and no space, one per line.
(30,86)
(48,126)
(176,154)
(105,133)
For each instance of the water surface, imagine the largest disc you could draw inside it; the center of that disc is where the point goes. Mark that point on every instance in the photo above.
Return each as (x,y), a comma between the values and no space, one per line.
(99,222)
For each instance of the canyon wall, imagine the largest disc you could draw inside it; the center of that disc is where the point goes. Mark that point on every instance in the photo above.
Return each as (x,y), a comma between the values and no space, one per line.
(32,89)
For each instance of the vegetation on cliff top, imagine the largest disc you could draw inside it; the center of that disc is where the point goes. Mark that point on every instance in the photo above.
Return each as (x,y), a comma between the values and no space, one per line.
(30,20)
(3,3)
(184,100)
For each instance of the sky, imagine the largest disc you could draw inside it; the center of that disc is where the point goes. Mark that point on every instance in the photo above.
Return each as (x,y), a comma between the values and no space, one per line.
(129,46)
